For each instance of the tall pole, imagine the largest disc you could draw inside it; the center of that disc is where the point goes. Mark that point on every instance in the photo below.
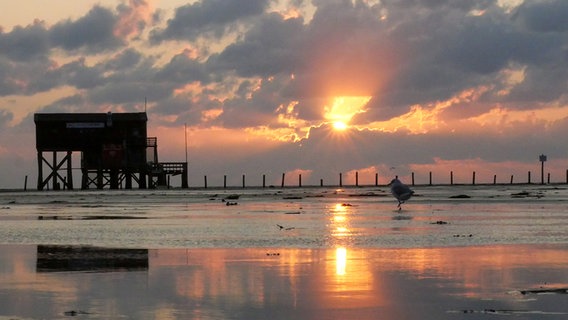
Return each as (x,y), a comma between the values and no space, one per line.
(542,159)
(542,172)
(185,136)
(185,177)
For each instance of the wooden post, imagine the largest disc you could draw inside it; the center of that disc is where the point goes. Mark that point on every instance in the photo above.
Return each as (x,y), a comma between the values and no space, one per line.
(283,175)
(473,179)
(548,178)
(264,181)
(243,180)
(100,180)
(55,185)
(340,180)
(451,177)
(494,179)
(356,178)
(225,181)
(40,184)
(511,179)
(26,183)
(542,159)
(184,178)
(430,177)
(412,178)
(529,182)
(69,171)
(321,182)
(377,178)
(205,181)
(300,180)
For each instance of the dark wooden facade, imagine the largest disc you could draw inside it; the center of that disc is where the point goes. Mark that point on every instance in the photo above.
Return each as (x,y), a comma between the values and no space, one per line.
(113,150)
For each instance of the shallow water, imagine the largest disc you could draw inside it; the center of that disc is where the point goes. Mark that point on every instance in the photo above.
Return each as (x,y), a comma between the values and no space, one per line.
(299,218)
(57,282)
(306,253)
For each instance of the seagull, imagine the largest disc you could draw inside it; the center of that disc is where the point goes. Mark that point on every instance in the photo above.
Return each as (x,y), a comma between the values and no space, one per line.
(400,191)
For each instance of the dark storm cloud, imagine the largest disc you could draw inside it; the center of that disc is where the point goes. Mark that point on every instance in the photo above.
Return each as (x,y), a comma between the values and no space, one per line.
(543,84)
(25,53)
(182,69)
(127,59)
(211,17)
(254,104)
(93,32)
(186,111)
(8,84)
(25,43)
(451,46)
(129,77)
(270,47)
(402,52)
(544,16)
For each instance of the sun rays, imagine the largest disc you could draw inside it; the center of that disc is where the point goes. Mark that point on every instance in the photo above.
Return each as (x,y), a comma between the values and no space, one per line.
(342,109)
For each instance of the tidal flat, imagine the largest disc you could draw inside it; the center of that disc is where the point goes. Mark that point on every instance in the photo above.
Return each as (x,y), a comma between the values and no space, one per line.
(452,252)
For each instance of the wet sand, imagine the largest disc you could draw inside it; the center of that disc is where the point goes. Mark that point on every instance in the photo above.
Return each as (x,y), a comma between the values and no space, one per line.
(285,254)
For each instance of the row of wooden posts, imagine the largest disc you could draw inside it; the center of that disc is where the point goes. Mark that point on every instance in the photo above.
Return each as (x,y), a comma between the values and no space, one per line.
(412,182)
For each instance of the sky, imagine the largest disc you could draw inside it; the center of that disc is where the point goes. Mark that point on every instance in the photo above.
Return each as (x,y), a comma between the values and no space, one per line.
(316,88)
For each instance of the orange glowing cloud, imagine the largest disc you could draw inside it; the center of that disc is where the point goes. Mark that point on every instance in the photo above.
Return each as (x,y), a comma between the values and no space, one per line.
(288,134)
(132,19)
(209,115)
(424,118)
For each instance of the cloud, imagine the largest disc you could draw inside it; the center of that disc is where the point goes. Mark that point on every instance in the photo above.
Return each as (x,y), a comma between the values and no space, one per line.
(447,79)
(208,17)
(544,16)
(182,69)
(132,18)
(25,43)
(273,45)
(93,32)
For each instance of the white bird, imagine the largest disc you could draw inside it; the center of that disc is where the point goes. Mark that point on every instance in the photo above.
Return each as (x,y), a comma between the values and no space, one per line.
(400,191)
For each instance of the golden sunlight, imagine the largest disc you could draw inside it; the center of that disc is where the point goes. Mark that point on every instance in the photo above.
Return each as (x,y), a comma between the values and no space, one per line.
(343,108)
(340,261)
(339,125)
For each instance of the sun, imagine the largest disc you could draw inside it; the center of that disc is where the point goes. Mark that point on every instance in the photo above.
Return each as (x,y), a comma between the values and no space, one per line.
(339,125)
(341,109)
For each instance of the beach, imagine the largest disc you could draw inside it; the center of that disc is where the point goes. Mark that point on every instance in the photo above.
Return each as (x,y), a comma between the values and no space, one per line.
(452,252)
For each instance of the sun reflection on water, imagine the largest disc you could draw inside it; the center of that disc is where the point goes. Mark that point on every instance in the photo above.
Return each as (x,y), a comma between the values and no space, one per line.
(339,224)
(340,261)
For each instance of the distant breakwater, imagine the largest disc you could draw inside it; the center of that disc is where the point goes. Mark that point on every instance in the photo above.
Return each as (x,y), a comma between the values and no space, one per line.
(431,180)
(355,179)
